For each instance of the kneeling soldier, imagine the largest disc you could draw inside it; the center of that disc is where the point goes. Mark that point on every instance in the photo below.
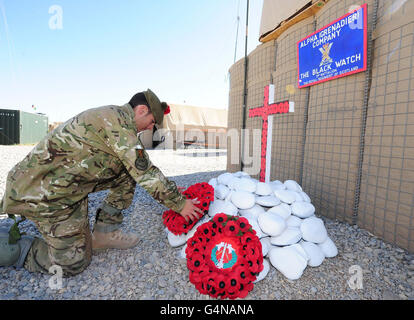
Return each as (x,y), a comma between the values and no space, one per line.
(96,150)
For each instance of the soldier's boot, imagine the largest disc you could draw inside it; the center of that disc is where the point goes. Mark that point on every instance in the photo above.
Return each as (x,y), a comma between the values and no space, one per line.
(13,254)
(113,240)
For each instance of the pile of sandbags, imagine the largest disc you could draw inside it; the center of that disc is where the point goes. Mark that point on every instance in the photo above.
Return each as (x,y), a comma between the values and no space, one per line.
(282,215)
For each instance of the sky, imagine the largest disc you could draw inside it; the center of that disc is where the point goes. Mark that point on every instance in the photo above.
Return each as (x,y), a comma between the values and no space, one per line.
(66,56)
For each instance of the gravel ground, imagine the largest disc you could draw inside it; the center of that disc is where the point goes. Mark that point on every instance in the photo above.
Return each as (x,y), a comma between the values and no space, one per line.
(154,269)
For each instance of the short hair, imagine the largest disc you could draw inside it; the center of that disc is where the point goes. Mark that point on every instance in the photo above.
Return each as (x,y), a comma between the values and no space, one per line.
(138,99)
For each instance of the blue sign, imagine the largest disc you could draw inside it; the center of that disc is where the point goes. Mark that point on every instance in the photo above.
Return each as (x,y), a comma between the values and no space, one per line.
(336,50)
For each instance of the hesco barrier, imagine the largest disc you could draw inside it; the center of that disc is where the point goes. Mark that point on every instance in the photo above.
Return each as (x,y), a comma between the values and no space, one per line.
(350,141)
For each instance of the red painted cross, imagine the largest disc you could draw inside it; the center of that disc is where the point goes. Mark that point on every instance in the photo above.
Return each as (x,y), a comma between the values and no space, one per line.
(265,111)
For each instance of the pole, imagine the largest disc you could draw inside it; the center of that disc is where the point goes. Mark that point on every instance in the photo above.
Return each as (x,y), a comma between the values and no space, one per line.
(245,87)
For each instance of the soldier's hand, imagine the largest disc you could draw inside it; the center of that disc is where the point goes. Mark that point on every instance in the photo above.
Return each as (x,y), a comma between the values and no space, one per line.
(181,189)
(190,211)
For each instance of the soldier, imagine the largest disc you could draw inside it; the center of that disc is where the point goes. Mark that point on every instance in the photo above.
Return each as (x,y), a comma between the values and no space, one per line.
(96,150)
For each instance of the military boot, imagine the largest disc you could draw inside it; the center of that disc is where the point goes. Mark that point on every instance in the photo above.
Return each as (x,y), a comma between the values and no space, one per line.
(113,240)
(13,254)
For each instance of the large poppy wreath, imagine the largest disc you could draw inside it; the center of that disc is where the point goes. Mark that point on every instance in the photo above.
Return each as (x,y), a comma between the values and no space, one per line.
(224,257)
(175,222)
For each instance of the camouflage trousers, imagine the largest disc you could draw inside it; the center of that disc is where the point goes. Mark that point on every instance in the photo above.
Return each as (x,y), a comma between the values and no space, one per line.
(67,240)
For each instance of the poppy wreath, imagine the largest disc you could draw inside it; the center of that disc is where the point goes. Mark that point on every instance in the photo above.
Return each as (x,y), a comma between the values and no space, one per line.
(175,222)
(224,257)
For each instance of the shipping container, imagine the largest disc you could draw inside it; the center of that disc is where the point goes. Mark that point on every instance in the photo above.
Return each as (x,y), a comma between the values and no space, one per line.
(20,127)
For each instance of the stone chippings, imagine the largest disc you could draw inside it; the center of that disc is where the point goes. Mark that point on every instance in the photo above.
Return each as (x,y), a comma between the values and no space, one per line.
(154,269)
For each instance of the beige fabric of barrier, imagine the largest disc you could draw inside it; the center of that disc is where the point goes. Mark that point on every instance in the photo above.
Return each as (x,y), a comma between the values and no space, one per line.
(386,202)
(276,11)
(189,122)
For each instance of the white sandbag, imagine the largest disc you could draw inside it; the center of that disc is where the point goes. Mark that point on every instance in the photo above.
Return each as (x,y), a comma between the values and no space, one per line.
(221,191)
(329,248)
(286,196)
(224,178)
(315,254)
(266,245)
(221,206)
(213,182)
(243,199)
(292,185)
(253,211)
(313,230)
(271,224)
(302,209)
(293,221)
(259,232)
(290,235)
(176,241)
(283,210)
(305,196)
(267,201)
(245,184)
(288,261)
(263,189)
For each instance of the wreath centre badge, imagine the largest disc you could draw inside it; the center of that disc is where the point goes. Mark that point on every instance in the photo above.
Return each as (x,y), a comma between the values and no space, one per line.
(224,254)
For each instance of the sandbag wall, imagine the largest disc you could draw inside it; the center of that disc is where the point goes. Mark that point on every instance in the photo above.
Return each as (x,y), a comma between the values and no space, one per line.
(349,142)
(386,205)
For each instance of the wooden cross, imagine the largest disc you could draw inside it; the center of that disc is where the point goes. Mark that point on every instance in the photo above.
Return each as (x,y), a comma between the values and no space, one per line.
(267,111)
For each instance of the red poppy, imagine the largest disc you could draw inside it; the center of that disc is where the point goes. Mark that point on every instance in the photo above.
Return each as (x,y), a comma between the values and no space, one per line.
(231,228)
(167,110)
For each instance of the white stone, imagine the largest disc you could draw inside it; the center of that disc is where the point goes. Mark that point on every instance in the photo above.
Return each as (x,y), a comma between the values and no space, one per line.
(176,241)
(285,196)
(263,189)
(313,230)
(213,182)
(245,184)
(267,201)
(293,221)
(253,211)
(292,185)
(271,224)
(298,197)
(264,272)
(288,261)
(305,196)
(224,178)
(243,199)
(221,206)
(240,174)
(329,248)
(302,209)
(282,210)
(277,183)
(182,254)
(315,254)
(266,245)
(290,235)
(221,191)
(253,222)
(300,250)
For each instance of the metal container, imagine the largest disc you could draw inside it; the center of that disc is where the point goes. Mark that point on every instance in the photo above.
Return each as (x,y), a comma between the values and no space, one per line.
(20,127)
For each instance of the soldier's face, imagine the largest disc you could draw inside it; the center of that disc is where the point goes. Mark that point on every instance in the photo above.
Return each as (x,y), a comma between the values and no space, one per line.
(144,119)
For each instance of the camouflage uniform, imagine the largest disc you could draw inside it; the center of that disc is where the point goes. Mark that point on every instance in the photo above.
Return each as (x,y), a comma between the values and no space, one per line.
(96,150)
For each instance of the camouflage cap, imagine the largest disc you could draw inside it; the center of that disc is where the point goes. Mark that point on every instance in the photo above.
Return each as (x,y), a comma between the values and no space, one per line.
(157,107)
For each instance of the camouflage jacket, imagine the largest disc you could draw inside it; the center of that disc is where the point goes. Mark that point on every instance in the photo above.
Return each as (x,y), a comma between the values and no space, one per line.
(79,157)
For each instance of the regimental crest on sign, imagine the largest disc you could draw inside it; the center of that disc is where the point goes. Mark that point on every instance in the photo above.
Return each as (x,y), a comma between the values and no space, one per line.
(224,254)
(326,48)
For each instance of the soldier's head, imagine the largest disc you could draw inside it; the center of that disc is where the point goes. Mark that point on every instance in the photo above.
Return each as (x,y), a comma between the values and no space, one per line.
(148,109)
